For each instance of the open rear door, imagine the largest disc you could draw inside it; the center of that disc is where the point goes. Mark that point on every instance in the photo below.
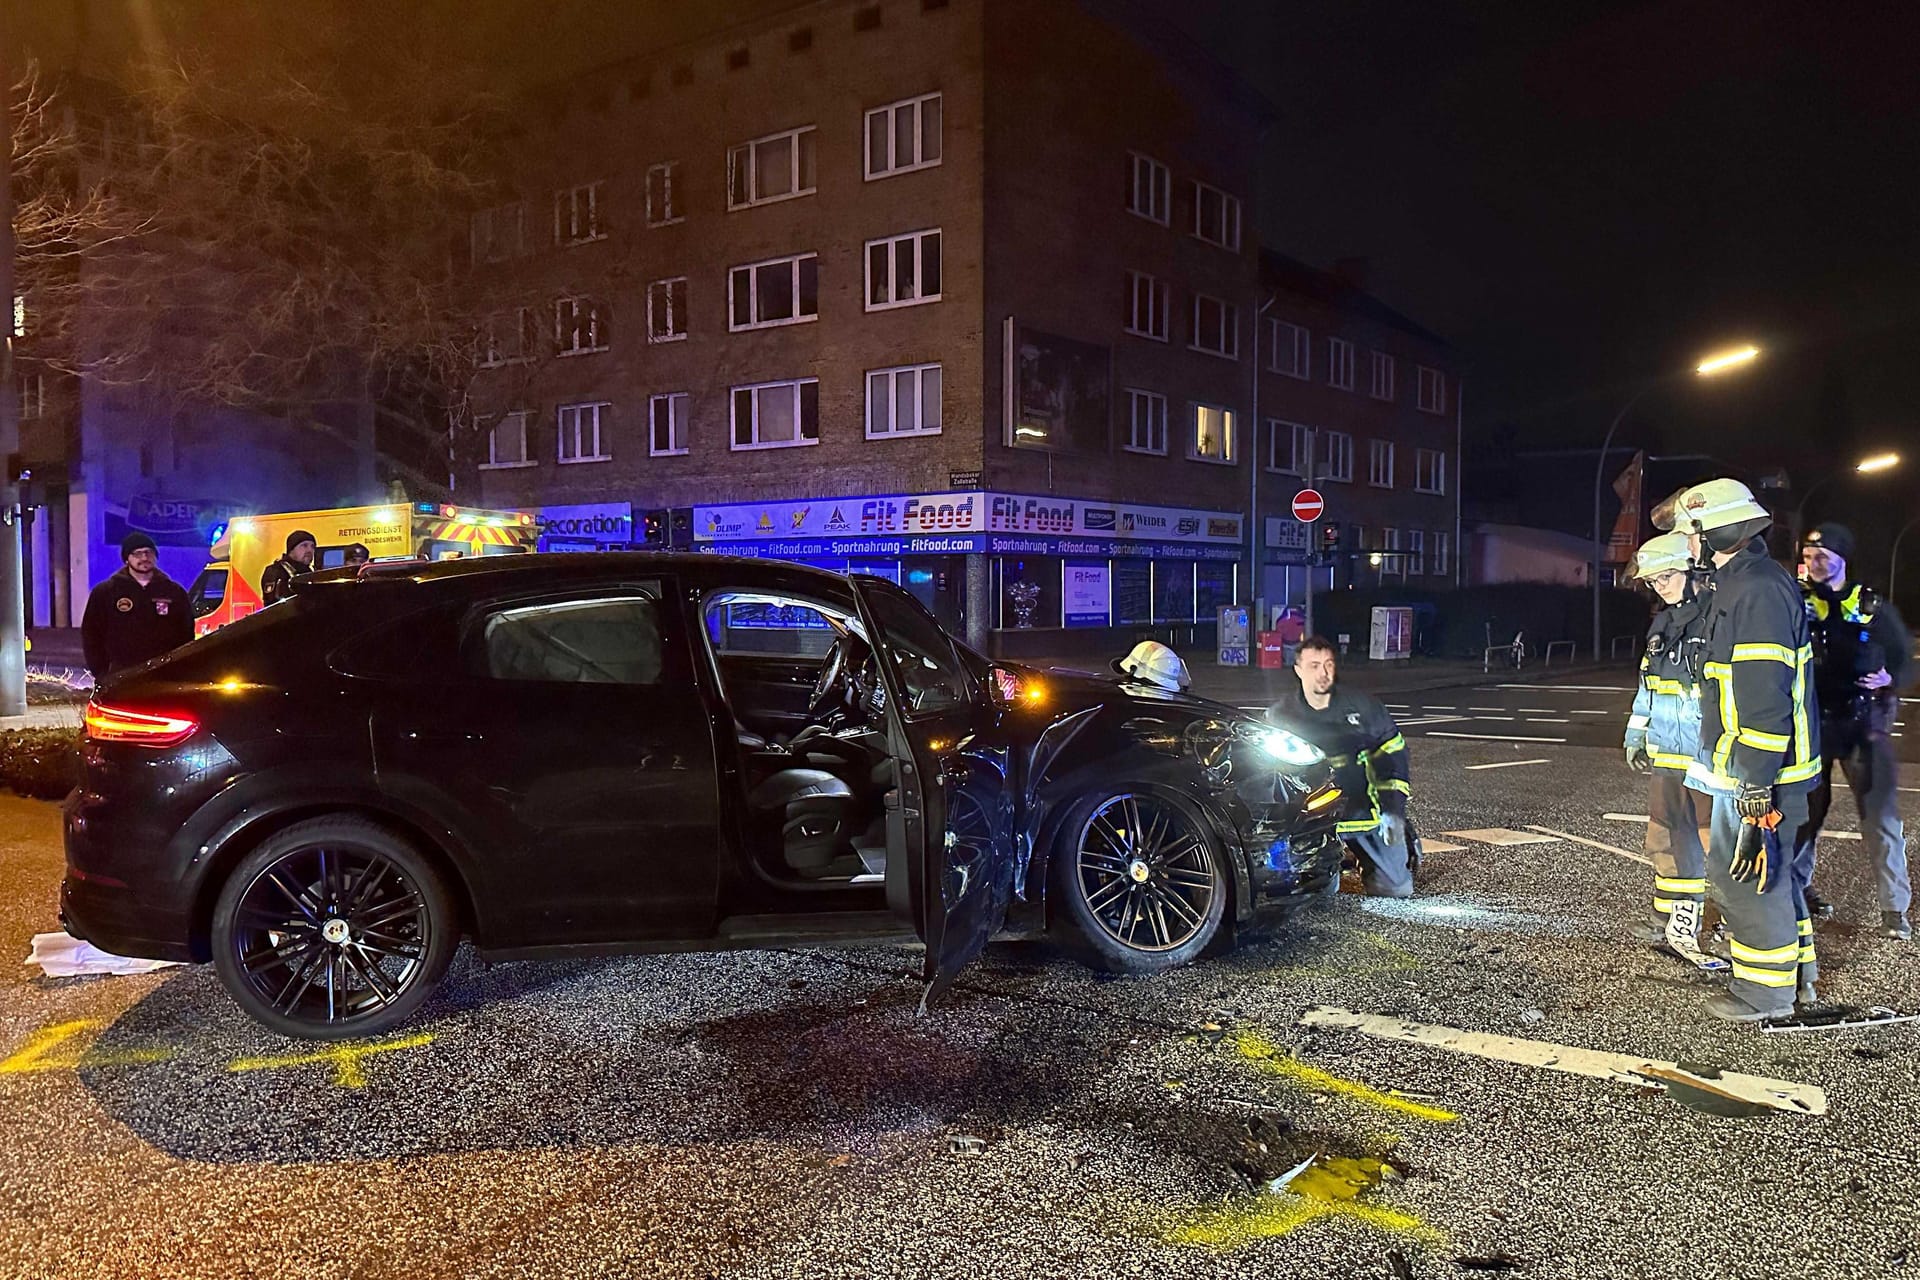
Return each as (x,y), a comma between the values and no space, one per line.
(955,818)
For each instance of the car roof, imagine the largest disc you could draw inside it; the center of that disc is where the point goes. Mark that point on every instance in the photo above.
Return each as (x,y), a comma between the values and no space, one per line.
(513,571)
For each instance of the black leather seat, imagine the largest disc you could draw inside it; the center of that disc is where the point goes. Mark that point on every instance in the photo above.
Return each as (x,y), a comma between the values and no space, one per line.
(815,811)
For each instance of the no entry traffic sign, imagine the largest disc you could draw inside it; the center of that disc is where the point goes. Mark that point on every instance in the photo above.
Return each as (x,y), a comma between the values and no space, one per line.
(1307,505)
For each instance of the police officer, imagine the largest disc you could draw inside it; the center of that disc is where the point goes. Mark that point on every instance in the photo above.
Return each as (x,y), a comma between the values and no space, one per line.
(1369,759)
(135,615)
(357,555)
(1759,751)
(1863,657)
(1663,732)
(276,580)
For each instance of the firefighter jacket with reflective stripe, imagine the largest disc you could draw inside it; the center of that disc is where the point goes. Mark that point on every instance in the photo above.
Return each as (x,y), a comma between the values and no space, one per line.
(1364,746)
(1856,633)
(1759,718)
(1666,707)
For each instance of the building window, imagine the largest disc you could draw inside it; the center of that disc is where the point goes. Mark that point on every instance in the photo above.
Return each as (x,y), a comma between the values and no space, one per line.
(507,443)
(1289,349)
(1433,390)
(33,395)
(1339,459)
(1416,552)
(667,310)
(576,214)
(497,234)
(776,415)
(1380,463)
(579,326)
(1146,422)
(1441,545)
(1391,565)
(1340,363)
(903,271)
(1429,471)
(1382,385)
(903,136)
(1216,327)
(1212,434)
(1216,216)
(776,167)
(1147,308)
(509,337)
(782,291)
(1289,448)
(903,401)
(667,424)
(663,198)
(580,438)
(1150,190)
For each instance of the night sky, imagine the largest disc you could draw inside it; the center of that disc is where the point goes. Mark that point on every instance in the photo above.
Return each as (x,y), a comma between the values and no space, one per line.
(1578,196)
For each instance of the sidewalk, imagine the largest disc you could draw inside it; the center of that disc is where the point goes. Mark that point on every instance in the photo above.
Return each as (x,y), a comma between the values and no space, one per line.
(1246,686)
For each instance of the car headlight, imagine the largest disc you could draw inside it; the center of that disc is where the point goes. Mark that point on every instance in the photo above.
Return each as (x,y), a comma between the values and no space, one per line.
(1288,748)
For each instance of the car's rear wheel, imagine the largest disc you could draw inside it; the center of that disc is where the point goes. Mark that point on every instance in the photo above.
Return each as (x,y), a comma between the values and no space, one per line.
(1142,881)
(333,928)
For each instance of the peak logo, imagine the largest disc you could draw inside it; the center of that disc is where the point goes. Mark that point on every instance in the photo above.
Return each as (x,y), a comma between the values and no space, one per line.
(837,522)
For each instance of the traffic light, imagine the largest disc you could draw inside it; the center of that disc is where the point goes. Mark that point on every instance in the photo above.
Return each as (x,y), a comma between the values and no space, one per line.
(653,528)
(1330,535)
(680,529)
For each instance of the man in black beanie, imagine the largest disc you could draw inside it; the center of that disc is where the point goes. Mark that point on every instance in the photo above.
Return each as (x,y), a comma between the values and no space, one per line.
(137,614)
(1862,658)
(276,580)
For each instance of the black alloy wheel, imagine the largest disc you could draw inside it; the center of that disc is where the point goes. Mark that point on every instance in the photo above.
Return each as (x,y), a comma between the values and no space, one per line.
(1145,882)
(333,928)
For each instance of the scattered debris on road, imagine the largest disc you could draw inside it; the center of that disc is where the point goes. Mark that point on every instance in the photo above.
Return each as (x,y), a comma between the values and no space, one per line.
(60,955)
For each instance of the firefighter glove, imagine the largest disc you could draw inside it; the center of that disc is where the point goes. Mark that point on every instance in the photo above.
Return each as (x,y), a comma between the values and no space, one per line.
(1637,758)
(1756,853)
(1753,801)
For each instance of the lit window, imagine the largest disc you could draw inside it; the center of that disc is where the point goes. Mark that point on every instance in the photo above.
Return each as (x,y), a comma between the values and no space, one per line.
(1146,422)
(903,271)
(776,167)
(667,424)
(580,438)
(667,310)
(779,291)
(903,401)
(1212,434)
(776,415)
(1149,189)
(903,136)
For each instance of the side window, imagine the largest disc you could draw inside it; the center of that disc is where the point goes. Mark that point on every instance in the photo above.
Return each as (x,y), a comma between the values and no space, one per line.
(208,591)
(762,628)
(932,677)
(602,640)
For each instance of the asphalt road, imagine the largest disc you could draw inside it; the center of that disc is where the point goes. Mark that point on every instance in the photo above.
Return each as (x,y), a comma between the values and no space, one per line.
(788,1114)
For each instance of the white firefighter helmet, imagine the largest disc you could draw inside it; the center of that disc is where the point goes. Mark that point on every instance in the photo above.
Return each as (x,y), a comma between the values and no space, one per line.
(1712,504)
(1660,555)
(1154,663)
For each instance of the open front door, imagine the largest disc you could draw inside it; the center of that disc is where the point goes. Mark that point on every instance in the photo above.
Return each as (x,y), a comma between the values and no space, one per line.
(954,822)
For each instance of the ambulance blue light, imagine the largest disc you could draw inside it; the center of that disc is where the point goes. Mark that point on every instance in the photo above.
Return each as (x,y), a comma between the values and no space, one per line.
(219,532)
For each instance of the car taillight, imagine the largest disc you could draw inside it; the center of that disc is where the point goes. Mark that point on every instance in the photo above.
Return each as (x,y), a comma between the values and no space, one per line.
(145,728)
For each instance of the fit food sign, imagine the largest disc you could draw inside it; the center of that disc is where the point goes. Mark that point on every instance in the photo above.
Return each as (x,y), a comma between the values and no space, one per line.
(964,512)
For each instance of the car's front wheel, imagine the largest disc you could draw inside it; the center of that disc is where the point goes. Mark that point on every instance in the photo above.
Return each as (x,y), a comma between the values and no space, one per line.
(1141,880)
(333,928)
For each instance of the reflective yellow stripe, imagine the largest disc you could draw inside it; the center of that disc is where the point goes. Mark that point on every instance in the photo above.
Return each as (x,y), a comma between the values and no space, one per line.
(1679,764)
(1806,928)
(1765,977)
(1394,784)
(1356,825)
(1660,685)
(1806,955)
(1664,907)
(1763,741)
(1799,772)
(1391,745)
(1777,955)
(1671,884)
(1763,653)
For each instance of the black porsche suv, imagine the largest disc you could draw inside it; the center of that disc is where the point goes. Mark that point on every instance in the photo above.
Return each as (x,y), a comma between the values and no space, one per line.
(633,752)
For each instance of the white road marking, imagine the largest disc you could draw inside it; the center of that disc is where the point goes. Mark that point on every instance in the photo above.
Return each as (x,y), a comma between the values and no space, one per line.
(1498,836)
(1628,854)
(1621,1068)
(1641,818)
(1418,721)
(1571,688)
(1435,706)
(1595,713)
(1397,706)
(1548,720)
(1486,708)
(1261,707)
(1509,719)
(1543,711)
(1490,737)
(1439,846)
(1507,764)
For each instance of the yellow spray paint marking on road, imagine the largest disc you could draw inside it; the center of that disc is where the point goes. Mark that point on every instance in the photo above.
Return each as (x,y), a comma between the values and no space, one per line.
(39,1052)
(1270,1057)
(1329,1188)
(345,1059)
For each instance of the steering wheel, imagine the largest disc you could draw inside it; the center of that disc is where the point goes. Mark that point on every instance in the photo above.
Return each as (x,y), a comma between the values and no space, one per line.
(833,676)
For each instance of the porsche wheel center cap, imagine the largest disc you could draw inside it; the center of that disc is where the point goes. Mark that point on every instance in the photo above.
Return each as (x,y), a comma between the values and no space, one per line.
(336,931)
(1138,870)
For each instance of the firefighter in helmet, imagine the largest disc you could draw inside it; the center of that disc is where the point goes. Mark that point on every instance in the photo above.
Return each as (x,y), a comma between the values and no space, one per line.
(1759,751)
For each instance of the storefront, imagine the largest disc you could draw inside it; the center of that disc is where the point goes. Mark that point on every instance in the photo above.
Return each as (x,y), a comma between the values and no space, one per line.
(586,526)
(1018,573)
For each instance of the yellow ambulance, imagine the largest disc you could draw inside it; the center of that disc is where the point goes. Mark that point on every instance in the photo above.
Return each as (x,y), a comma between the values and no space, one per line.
(228,589)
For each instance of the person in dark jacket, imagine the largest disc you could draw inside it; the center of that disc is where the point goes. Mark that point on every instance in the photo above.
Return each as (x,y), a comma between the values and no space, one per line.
(276,580)
(1369,759)
(1863,657)
(357,555)
(136,615)
(1759,748)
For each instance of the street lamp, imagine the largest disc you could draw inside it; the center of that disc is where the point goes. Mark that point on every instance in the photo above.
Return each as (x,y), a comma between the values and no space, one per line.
(1866,466)
(1710,367)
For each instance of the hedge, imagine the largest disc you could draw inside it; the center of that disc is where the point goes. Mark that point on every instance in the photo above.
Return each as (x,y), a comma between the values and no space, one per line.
(1456,624)
(43,764)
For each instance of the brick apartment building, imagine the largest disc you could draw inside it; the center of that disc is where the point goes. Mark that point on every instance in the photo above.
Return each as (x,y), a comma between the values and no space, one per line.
(892,287)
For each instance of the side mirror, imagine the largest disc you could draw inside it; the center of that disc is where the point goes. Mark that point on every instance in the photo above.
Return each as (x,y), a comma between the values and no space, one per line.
(1004,684)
